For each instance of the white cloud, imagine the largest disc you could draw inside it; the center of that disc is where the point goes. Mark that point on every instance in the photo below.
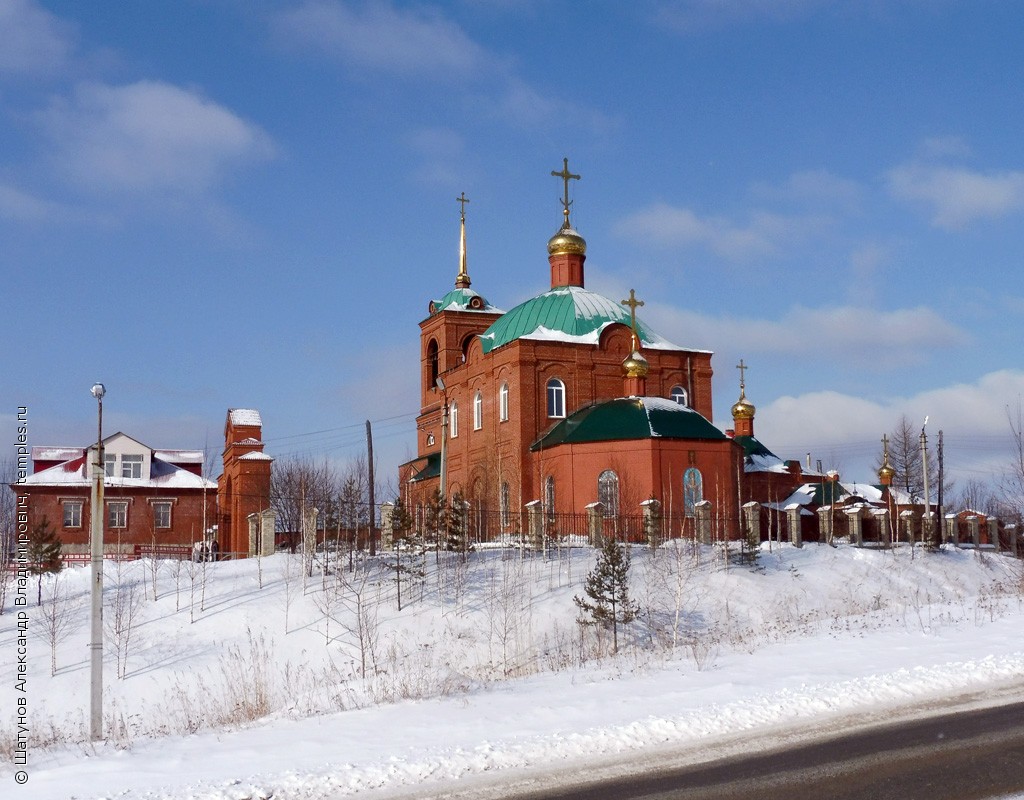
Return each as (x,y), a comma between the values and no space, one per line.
(817,187)
(856,335)
(958,196)
(148,136)
(972,417)
(381,37)
(32,40)
(672,226)
(20,206)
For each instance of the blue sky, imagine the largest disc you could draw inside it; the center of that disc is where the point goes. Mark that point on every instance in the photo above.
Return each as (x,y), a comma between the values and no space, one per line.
(221,203)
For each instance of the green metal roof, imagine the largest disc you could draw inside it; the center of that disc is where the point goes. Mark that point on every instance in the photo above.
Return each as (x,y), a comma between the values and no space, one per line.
(629,418)
(432,469)
(752,447)
(462,300)
(566,313)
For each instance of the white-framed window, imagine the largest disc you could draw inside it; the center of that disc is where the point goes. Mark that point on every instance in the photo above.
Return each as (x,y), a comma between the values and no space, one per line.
(556,398)
(679,395)
(549,498)
(131,466)
(503,403)
(109,464)
(478,411)
(72,513)
(608,492)
(117,514)
(162,514)
(453,420)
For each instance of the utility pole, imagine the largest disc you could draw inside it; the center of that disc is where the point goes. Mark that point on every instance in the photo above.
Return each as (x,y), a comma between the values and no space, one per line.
(938,502)
(373,507)
(96,562)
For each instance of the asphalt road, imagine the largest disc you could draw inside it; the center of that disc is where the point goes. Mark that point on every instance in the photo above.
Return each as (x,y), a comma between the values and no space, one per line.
(967,755)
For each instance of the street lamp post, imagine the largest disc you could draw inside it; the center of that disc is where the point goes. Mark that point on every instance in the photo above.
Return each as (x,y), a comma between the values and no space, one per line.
(96,560)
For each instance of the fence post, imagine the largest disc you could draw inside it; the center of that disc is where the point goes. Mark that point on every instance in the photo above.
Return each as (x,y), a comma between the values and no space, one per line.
(793,522)
(652,521)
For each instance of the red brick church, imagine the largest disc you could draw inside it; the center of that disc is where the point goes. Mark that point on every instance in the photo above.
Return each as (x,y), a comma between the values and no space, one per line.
(570,399)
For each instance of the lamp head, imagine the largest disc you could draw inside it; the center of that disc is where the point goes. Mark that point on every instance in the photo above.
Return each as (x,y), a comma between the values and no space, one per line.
(98,390)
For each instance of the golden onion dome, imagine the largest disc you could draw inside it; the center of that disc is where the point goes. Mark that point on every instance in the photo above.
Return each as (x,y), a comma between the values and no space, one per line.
(886,473)
(743,408)
(635,365)
(567,242)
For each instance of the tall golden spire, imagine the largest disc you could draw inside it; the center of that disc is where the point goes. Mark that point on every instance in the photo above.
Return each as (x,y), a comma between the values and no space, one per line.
(462,279)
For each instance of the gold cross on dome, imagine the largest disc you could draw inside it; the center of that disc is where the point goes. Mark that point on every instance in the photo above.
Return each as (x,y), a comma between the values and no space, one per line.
(632,304)
(566,176)
(885,444)
(742,368)
(462,200)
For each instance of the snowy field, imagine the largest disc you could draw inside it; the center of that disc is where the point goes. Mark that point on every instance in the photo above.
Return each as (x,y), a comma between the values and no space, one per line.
(253,679)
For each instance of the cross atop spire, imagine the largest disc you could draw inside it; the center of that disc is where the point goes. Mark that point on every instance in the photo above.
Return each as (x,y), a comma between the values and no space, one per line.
(566,176)
(632,304)
(742,368)
(462,280)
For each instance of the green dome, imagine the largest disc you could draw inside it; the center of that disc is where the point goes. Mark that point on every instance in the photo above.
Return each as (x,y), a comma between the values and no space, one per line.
(630,418)
(461,300)
(567,313)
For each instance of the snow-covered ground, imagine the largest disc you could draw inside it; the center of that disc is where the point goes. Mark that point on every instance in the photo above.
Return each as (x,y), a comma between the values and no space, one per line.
(243,679)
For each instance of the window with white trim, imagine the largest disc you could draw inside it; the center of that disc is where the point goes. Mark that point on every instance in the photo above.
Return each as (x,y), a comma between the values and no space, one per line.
(556,398)
(453,420)
(117,514)
(679,395)
(608,492)
(131,466)
(109,464)
(162,514)
(478,411)
(503,403)
(72,513)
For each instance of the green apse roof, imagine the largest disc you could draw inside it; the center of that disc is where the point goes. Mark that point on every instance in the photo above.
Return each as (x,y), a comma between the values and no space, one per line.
(566,314)
(630,418)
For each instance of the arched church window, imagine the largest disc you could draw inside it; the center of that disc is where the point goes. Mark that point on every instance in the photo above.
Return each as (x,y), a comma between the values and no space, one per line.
(679,395)
(608,492)
(556,398)
(693,491)
(549,498)
(453,419)
(504,502)
(478,411)
(432,363)
(503,403)
(465,346)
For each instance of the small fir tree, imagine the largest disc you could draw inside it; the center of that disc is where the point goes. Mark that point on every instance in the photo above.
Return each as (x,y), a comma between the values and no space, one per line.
(607,587)
(44,553)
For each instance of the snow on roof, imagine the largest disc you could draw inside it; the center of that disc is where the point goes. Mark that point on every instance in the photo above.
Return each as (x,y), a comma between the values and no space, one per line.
(44,453)
(244,416)
(255,457)
(180,456)
(249,441)
(162,475)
